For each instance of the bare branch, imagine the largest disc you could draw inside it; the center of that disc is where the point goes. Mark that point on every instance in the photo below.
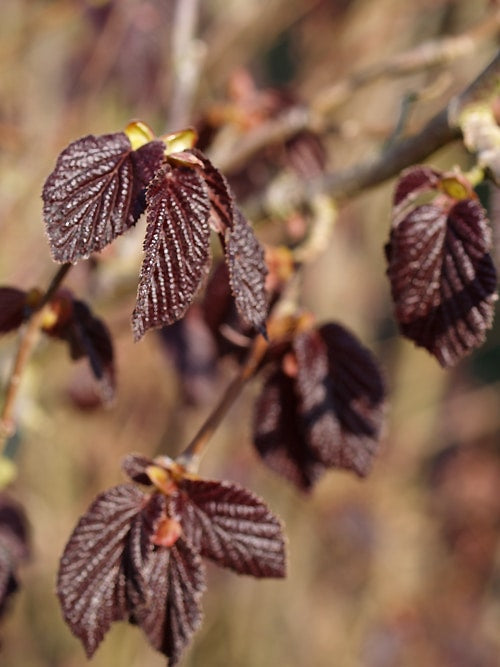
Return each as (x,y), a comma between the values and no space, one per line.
(292,121)
(27,342)
(186,53)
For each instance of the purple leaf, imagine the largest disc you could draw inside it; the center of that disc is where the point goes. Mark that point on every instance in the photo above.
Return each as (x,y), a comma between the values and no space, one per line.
(355,396)
(12,308)
(96,193)
(222,204)
(232,527)
(91,581)
(247,272)
(279,435)
(176,248)
(172,613)
(412,183)
(443,280)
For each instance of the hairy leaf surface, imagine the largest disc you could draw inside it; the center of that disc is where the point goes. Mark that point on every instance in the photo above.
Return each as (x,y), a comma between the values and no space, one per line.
(223,206)
(91,581)
(413,182)
(171,614)
(247,272)
(443,280)
(176,248)
(96,193)
(233,527)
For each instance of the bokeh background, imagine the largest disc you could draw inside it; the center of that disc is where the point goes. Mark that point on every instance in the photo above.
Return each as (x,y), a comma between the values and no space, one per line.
(401,569)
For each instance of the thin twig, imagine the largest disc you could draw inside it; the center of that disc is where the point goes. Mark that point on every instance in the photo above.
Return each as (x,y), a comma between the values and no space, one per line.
(439,131)
(301,117)
(191,455)
(27,341)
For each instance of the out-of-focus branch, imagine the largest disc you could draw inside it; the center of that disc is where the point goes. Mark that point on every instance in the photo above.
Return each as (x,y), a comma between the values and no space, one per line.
(27,342)
(439,131)
(186,56)
(429,54)
(291,121)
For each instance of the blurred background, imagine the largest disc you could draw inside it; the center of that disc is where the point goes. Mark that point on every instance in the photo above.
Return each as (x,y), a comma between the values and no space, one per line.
(401,569)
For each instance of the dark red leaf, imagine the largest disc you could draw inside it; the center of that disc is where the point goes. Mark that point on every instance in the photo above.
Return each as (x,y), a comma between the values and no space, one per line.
(232,527)
(13,547)
(413,182)
(329,415)
(172,613)
(176,248)
(223,207)
(91,581)
(134,465)
(96,193)
(352,393)
(279,434)
(87,336)
(306,154)
(443,280)
(247,272)
(12,308)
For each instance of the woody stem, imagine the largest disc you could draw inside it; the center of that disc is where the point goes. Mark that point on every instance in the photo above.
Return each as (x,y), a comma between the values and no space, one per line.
(27,342)
(191,455)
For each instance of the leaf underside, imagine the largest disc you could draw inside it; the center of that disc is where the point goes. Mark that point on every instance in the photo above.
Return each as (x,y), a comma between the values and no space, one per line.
(443,280)
(176,248)
(96,193)
(222,203)
(233,527)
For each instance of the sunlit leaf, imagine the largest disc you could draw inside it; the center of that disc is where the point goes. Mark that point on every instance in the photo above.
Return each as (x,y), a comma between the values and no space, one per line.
(91,581)
(96,192)
(413,182)
(176,248)
(12,308)
(443,280)
(247,272)
(172,613)
(232,527)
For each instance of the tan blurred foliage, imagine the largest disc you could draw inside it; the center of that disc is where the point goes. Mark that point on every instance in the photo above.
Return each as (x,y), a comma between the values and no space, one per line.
(399,570)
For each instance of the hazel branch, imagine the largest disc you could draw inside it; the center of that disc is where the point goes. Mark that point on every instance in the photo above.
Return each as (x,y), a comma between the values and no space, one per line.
(312,117)
(27,341)
(186,56)
(190,457)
